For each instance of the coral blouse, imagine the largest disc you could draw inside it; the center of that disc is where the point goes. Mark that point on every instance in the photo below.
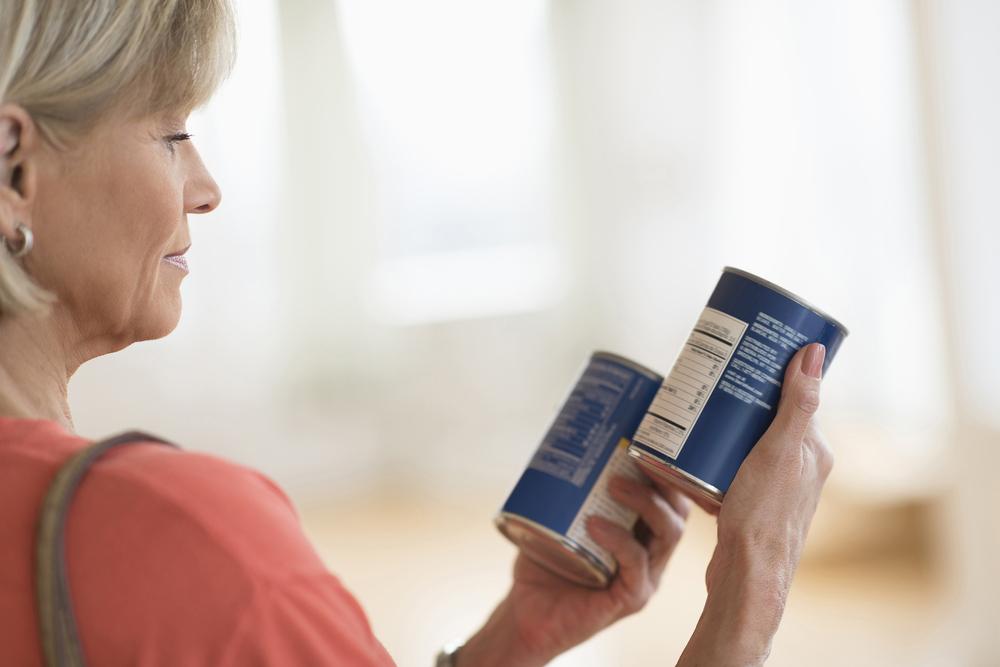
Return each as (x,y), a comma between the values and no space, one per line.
(174,558)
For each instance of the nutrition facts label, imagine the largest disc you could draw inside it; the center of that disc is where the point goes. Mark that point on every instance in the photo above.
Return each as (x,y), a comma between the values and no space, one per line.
(601,503)
(579,436)
(682,397)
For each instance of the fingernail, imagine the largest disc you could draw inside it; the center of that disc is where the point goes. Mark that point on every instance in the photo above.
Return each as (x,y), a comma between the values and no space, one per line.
(812,365)
(598,523)
(617,484)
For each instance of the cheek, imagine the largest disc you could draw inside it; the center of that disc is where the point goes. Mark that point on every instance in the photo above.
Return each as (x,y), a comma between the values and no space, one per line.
(104,234)
(133,235)
(145,229)
(143,210)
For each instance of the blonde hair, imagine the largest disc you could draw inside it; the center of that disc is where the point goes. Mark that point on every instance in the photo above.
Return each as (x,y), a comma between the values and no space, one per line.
(70,63)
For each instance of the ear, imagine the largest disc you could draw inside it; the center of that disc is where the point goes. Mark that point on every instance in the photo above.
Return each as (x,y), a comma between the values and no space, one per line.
(19,148)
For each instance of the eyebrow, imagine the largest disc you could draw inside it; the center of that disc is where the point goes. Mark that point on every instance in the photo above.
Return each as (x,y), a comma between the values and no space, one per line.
(171,120)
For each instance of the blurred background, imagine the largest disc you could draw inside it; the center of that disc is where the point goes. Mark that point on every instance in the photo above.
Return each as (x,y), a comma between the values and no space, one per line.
(434,211)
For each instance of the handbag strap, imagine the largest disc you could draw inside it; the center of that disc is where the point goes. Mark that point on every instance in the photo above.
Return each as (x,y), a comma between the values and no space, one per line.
(57,624)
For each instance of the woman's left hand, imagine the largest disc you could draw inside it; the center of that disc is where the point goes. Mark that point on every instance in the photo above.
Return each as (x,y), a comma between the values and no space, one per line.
(544,615)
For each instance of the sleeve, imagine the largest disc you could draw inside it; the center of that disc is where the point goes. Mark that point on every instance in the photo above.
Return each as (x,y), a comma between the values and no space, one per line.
(305,623)
(185,558)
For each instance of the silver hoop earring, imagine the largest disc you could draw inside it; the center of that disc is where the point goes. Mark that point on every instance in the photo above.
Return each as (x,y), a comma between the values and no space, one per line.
(27,241)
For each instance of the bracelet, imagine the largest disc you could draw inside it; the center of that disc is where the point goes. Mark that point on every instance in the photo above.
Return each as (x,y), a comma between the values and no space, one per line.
(446,656)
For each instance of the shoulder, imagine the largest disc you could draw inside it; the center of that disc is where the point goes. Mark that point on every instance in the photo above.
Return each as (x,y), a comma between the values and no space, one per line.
(199,502)
(185,549)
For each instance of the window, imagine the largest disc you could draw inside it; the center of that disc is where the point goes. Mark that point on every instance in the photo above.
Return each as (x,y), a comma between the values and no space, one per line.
(455,106)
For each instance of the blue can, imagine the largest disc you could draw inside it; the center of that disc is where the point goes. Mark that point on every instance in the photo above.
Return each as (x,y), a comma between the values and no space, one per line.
(723,390)
(566,480)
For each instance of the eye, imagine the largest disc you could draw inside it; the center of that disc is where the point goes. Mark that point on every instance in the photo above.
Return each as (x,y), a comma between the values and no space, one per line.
(177,138)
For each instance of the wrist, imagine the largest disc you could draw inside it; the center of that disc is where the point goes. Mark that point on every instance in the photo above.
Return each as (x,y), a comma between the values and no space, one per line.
(742,612)
(498,642)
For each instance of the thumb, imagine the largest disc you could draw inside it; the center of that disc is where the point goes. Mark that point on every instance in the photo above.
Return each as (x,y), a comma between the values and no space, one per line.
(800,391)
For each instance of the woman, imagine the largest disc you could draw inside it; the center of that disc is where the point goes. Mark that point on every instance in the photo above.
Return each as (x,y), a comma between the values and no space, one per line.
(181,558)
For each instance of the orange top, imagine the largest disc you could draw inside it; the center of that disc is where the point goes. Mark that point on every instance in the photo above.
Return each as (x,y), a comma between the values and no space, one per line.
(174,558)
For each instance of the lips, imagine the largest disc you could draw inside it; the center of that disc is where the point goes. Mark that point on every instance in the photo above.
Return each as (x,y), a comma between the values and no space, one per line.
(178,259)
(179,252)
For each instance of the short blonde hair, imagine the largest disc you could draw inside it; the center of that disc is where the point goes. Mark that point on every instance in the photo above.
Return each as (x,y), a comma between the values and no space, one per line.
(69,63)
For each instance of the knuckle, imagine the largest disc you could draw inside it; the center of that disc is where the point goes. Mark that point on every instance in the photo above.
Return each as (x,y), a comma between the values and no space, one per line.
(824,459)
(821,452)
(675,527)
(637,558)
(638,600)
(616,541)
(659,507)
(649,499)
(807,400)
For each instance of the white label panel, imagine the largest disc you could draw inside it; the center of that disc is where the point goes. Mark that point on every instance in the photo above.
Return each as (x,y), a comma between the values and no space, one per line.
(601,503)
(681,398)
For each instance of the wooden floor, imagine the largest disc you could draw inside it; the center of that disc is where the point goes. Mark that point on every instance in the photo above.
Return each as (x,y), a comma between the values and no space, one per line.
(428,570)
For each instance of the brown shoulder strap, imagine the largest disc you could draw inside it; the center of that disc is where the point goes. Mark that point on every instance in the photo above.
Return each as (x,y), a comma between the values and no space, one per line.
(60,641)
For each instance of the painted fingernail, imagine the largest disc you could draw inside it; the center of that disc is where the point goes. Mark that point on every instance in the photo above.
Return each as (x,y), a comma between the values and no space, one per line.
(618,485)
(812,365)
(598,524)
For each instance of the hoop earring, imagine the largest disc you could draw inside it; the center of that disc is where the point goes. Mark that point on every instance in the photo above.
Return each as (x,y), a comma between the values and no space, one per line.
(27,241)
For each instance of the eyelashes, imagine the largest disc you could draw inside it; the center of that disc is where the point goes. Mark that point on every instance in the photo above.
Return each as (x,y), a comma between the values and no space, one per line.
(177,138)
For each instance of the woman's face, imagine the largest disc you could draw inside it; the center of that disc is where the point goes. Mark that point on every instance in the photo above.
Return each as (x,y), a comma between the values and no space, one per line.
(106,216)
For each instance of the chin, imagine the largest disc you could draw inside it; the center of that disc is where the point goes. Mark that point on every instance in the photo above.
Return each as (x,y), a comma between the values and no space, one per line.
(160,323)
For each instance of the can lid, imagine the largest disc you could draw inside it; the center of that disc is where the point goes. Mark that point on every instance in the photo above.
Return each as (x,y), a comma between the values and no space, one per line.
(781,290)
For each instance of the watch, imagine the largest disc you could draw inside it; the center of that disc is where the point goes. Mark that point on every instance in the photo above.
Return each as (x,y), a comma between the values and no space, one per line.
(446,656)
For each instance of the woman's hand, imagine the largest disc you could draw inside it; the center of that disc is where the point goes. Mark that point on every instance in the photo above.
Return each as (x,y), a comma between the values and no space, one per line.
(762,526)
(545,615)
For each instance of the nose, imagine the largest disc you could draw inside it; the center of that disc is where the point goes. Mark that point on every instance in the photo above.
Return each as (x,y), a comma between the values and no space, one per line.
(201,193)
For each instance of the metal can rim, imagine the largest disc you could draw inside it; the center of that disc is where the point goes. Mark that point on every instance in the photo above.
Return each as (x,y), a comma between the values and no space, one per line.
(574,548)
(782,291)
(698,485)
(632,364)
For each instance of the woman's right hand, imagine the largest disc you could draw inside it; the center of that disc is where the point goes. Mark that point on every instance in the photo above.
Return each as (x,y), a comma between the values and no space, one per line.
(762,526)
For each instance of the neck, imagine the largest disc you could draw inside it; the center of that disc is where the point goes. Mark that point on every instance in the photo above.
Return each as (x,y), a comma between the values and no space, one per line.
(36,363)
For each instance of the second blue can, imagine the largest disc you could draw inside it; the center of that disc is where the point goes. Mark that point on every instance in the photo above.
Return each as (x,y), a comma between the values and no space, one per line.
(566,481)
(723,390)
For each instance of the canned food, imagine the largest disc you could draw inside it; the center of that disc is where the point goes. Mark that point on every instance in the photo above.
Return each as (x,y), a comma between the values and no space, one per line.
(566,479)
(723,390)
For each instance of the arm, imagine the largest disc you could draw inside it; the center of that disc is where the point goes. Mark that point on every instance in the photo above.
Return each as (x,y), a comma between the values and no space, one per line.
(762,527)
(740,617)
(543,615)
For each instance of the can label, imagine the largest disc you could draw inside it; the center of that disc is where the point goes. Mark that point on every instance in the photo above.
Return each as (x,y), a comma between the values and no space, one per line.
(579,437)
(723,390)
(695,374)
(587,444)
(599,502)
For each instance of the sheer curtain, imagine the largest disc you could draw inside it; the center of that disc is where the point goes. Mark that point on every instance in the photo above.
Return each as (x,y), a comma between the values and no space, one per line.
(783,138)
(211,384)
(433,212)
(961,62)
(821,182)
